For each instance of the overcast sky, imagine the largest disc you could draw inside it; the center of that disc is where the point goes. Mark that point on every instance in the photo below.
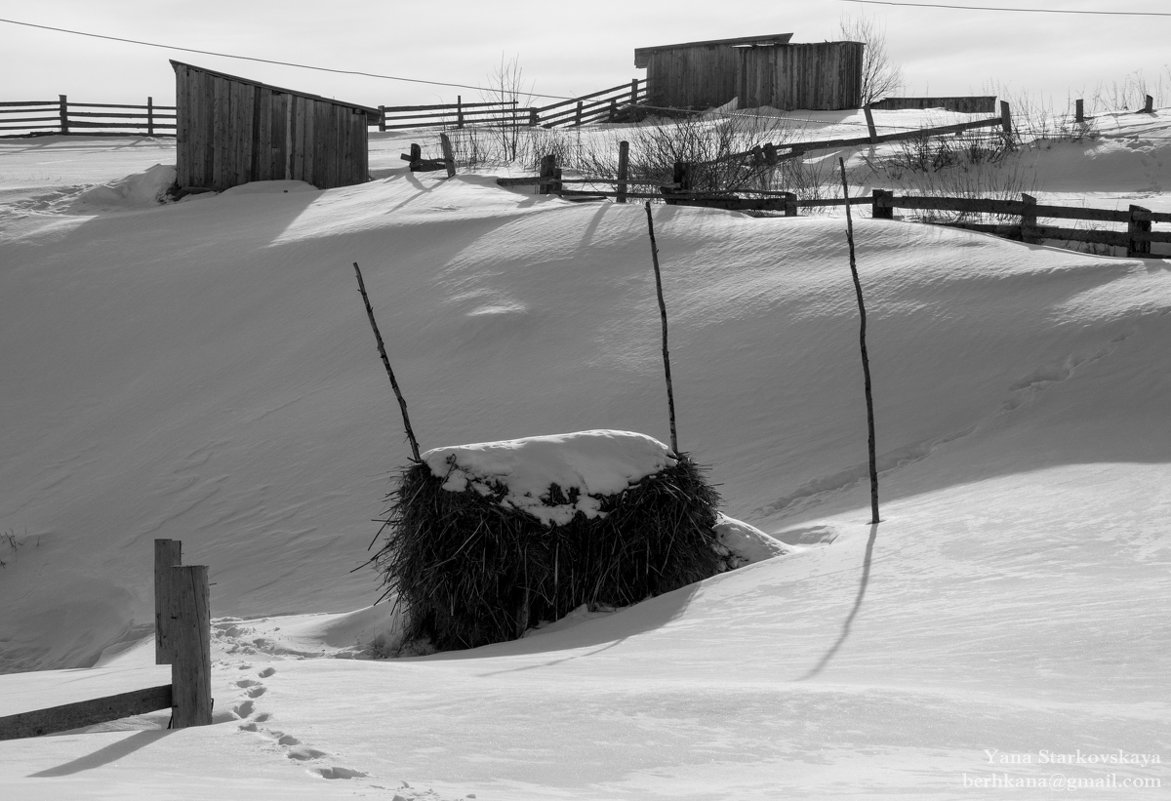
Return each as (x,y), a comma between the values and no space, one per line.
(563,48)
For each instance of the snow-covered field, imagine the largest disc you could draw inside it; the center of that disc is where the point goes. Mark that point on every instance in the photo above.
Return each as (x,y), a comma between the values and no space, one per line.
(204,371)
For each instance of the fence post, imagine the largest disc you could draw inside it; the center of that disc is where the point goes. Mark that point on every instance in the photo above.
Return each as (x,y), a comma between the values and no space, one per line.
(168,554)
(448,155)
(633,91)
(613,108)
(382,119)
(790,204)
(534,118)
(881,207)
(1029,219)
(682,176)
(1149,108)
(459,111)
(1006,118)
(550,175)
(870,124)
(577,116)
(191,668)
(770,154)
(1140,222)
(150,116)
(1079,114)
(64,114)
(623,169)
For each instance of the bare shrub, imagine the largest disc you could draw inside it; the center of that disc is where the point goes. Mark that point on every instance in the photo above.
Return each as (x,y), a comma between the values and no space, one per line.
(880,76)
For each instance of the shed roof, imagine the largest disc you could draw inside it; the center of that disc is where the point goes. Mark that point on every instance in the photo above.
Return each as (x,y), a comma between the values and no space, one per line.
(372,113)
(642,54)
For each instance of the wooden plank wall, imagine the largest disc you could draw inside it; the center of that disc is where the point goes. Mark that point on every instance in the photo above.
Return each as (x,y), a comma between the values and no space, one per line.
(231,132)
(692,77)
(823,75)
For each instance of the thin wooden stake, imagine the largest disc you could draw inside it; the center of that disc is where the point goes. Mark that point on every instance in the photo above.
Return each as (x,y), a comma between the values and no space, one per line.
(865,355)
(386,363)
(650,221)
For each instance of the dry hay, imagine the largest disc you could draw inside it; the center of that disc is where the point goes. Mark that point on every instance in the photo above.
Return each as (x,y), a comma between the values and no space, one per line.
(467,570)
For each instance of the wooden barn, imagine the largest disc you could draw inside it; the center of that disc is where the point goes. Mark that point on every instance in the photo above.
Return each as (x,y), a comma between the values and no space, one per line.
(759,70)
(232,130)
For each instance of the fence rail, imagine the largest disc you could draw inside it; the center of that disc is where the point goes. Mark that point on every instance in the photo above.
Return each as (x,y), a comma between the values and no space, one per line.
(182,640)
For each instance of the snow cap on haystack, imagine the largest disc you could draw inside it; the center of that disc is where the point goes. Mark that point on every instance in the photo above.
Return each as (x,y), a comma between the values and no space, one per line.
(586,465)
(486,540)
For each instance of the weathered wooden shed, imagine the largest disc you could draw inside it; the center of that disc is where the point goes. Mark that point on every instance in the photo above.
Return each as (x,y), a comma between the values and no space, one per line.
(232,130)
(759,70)
(697,74)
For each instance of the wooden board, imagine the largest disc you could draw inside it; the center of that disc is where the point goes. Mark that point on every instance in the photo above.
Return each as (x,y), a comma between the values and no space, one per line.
(84,713)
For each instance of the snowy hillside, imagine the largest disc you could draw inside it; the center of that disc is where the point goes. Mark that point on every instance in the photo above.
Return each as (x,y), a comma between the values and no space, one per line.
(204,371)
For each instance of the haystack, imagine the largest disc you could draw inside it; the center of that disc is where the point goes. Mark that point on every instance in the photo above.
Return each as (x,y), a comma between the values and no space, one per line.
(484,541)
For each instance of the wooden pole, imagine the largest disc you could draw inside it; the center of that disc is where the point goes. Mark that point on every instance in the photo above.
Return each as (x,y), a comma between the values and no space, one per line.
(386,363)
(1006,118)
(168,554)
(64,102)
(459,111)
(871,439)
(1079,114)
(577,116)
(623,169)
(650,221)
(150,115)
(870,124)
(191,670)
(633,91)
(534,117)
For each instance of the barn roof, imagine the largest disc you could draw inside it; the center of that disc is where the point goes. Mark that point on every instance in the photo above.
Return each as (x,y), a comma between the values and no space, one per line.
(642,55)
(373,113)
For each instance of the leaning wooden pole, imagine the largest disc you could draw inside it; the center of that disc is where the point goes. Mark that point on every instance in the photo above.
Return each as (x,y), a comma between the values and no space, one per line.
(865,355)
(402,403)
(650,221)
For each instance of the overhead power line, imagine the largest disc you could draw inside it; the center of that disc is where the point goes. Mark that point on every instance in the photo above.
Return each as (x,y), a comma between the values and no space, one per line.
(268,60)
(951,6)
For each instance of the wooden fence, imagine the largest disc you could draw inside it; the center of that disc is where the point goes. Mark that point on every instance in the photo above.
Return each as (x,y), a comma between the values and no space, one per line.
(182,640)
(1024,220)
(771,153)
(1137,238)
(602,106)
(765,155)
(65,117)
